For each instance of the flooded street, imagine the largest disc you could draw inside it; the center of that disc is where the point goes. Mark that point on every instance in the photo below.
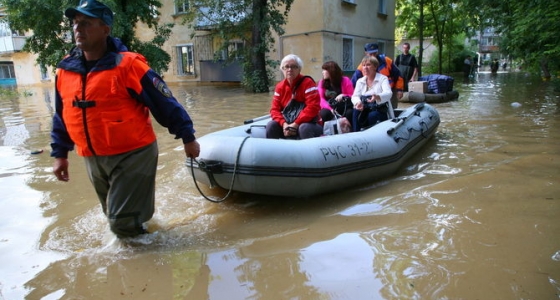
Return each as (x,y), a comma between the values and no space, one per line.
(474,215)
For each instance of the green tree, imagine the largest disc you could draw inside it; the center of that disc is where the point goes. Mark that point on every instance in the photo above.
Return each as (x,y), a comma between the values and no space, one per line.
(252,21)
(443,20)
(410,20)
(529,31)
(51,35)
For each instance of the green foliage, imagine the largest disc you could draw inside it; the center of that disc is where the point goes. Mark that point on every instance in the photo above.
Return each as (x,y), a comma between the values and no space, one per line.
(441,20)
(251,21)
(45,19)
(8,93)
(529,31)
(51,31)
(453,57)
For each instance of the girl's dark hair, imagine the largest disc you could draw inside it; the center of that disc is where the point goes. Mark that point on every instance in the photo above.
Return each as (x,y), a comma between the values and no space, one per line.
(334,82)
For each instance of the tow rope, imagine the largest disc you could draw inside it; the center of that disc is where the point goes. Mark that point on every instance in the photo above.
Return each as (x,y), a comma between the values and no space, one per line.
(218,200)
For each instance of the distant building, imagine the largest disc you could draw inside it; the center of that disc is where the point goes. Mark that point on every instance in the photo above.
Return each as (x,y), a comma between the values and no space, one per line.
(488,45)
(488,41)
(17,67)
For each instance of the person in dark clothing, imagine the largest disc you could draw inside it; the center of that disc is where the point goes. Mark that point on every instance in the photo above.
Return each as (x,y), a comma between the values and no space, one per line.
(494,66)
(407,64)
(467,66)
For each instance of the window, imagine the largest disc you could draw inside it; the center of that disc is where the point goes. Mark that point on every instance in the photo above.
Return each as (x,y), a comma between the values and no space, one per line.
(44,72)
(234,48)
(382,7)
(185,60)
(347,54)
(7,71)
(181,6)
(5,28)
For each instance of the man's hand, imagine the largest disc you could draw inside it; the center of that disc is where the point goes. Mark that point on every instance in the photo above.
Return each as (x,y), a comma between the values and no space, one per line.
(192,149)
(60,169)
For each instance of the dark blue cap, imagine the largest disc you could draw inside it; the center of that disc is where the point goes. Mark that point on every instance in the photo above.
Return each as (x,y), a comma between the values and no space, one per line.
(371,48)
(92,8)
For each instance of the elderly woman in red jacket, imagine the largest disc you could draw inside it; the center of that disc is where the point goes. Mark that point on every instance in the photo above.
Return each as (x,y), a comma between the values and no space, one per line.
(295,104)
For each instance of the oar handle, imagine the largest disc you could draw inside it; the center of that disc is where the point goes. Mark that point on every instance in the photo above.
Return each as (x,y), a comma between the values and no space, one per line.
(402,119)
(256,119)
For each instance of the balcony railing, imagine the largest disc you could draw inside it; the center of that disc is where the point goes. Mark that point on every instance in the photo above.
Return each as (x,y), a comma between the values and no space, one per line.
(11,44)
(488,48)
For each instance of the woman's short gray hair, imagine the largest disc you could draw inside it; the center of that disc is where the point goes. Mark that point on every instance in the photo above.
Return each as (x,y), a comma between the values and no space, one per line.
(291,57)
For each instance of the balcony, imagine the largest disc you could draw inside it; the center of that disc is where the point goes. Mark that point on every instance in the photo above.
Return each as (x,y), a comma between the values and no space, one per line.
(488,48)
(11,44)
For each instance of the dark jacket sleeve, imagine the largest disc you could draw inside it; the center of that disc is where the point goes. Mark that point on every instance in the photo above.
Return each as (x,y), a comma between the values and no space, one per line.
(395,74)
(165,108)
(357,75)
(61,143)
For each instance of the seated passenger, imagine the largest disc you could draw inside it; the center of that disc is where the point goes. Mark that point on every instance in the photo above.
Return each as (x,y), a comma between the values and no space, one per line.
(295,104)
(372,96)
(336,89)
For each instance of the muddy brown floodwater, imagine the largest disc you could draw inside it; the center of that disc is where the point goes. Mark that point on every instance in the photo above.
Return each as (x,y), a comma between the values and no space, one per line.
(474,215)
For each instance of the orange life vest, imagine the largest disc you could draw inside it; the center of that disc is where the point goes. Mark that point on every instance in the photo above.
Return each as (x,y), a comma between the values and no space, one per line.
(104,119)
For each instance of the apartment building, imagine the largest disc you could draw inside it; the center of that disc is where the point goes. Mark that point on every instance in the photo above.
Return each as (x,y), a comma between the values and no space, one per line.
(316,30)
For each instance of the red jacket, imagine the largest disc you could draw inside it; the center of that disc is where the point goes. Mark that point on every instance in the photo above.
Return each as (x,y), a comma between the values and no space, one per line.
(306,92)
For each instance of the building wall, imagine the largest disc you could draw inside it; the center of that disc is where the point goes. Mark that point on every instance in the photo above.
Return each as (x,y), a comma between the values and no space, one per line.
(316,28)
(180,35)
(28,71)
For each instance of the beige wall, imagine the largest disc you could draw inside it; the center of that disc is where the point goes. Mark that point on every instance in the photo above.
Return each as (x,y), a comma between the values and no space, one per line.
(27,70)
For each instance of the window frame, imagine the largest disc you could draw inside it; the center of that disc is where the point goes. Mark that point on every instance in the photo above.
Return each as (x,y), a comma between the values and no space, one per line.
(382,7)
(185,65)
(181,6)
(348,54)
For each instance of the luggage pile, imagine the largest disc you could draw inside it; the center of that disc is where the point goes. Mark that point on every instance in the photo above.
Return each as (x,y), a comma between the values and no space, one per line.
(438,83)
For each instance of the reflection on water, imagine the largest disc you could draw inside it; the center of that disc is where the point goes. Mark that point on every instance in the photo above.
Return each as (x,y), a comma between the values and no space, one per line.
(473,215)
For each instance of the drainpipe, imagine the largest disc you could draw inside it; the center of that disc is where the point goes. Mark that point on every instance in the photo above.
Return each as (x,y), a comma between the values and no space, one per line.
(478,53)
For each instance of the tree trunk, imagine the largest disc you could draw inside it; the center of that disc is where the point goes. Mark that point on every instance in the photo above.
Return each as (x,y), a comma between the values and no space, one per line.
(255,73)
(544,68)
(127,33)
(421,37)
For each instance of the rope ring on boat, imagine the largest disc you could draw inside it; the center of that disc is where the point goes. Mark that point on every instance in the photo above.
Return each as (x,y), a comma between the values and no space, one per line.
(232,178)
